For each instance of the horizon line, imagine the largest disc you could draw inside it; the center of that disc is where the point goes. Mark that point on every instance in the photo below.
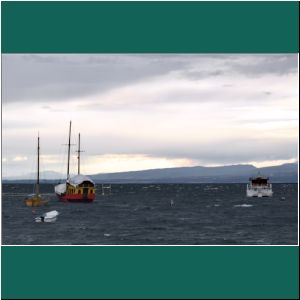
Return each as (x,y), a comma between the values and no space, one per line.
(143,170)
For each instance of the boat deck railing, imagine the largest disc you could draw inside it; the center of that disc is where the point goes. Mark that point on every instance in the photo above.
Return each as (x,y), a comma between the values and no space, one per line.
(259,186)
(106,189)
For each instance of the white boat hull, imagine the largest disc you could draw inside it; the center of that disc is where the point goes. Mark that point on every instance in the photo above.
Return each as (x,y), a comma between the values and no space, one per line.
(48,217)
(45,220)
(259,192)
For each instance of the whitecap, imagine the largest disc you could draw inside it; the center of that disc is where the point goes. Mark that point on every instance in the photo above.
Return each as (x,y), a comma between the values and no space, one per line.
(243,205)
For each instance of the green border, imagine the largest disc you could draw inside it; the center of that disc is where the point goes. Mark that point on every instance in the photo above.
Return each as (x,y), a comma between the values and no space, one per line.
(150,272)
(156,27)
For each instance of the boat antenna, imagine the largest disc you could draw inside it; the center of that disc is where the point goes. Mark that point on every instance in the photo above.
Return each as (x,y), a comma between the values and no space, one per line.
(37,189)
(78,153)
(69,146)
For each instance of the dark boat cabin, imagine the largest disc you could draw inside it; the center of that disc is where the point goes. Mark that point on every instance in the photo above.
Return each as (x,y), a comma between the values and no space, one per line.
(259,180)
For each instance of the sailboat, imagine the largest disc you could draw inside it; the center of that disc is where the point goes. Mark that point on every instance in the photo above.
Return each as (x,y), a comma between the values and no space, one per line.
(36,198)
(79,188)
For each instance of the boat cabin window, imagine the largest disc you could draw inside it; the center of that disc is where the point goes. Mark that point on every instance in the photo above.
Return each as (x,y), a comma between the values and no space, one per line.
(259,181)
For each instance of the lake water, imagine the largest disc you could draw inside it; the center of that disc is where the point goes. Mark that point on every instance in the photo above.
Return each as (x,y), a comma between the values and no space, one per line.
(155,214)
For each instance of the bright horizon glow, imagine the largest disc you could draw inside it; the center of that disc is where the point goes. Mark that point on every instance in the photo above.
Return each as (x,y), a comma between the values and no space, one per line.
(114,163)
(272,163)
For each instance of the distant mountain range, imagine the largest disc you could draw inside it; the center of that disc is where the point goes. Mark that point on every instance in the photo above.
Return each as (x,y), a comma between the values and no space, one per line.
(45,175)
(224,174)
(287,173)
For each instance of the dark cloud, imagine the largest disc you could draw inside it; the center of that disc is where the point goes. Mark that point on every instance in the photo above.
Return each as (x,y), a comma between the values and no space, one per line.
(243,65)
(267,93)
(267,64)
(200,74)
(56,77)
(61,77)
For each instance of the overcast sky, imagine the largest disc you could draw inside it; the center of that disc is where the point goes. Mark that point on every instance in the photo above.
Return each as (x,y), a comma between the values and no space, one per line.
(139,112)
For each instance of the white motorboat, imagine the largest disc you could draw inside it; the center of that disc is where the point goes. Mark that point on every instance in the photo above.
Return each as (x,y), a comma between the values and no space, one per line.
(259,187)
(48,217)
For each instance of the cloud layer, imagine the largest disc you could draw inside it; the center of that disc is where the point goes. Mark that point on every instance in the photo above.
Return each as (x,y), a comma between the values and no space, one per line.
(153,110)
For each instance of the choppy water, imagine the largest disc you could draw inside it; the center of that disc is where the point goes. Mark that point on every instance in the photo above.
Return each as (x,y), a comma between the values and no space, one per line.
(155,214)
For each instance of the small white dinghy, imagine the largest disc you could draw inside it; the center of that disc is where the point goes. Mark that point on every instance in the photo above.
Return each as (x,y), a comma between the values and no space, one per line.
(48,217)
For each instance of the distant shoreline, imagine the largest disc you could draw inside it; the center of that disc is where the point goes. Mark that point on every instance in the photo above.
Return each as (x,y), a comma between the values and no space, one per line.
(286,173)
(140,182)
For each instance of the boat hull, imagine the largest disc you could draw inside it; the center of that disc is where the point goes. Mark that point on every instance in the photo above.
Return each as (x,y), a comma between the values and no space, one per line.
(35,202)
(263,192)
(76,198)
(49,217)
(47,220)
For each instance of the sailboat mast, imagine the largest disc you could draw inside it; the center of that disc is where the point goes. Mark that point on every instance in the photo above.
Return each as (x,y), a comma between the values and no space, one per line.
(37,190)
(78,157)
(69,147)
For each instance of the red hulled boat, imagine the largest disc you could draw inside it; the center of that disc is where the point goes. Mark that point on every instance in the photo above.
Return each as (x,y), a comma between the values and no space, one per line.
(79,188)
